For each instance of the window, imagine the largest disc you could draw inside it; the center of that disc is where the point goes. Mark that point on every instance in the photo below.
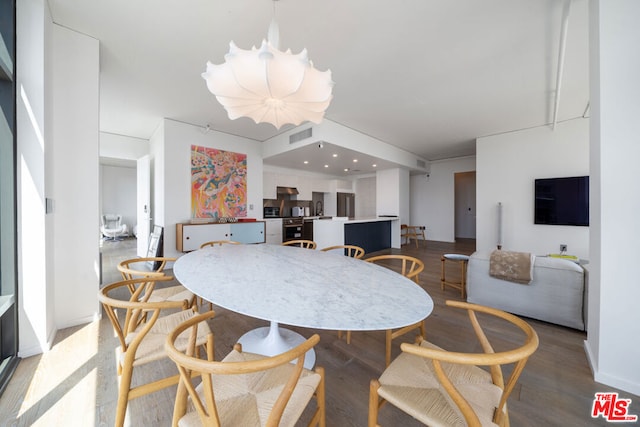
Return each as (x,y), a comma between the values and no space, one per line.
(8,248)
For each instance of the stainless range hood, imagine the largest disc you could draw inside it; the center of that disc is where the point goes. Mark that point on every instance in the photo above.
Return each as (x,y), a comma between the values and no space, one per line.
(287,190)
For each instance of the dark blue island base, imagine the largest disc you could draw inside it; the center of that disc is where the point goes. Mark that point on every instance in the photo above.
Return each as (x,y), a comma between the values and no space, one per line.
(371,236)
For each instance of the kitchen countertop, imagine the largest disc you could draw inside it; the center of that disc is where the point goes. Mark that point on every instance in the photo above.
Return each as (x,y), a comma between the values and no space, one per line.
(341,219)
(345,220)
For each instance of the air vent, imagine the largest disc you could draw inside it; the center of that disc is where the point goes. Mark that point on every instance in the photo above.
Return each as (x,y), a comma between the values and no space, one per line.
(303,134)
(421,163)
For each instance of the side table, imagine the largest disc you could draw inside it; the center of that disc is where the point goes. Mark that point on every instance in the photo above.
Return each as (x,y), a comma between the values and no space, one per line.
(462,284)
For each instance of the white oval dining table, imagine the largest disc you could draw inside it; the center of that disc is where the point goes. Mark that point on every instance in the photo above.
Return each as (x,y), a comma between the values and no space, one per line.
(300,287)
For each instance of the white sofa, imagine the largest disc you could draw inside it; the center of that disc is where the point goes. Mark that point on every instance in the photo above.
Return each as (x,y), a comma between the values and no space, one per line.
(557,293)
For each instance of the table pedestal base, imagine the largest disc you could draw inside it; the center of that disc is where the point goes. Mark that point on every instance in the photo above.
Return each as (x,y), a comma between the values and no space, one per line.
(273,340)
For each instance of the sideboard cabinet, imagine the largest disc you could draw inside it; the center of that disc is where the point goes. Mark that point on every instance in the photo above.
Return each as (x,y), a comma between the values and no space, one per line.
(189,237)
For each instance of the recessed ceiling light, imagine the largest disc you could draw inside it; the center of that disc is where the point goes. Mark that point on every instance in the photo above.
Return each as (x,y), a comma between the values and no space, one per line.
(355,160)
(306,162)
(326,166)
(346,169)
(335,155)
(374,165)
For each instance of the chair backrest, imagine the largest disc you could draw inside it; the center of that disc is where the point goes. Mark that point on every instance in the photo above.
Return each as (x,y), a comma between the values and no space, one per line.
(290,363)
(409,266)
(307,244)
(139,267)
(138,309)
(219,243)
(494,360)
(348,250)
(111,220)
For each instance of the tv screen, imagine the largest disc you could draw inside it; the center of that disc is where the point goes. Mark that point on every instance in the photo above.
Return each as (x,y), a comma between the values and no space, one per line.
(562,201)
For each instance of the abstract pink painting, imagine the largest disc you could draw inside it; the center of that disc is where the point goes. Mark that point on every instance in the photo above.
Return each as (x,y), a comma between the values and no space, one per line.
(218,183)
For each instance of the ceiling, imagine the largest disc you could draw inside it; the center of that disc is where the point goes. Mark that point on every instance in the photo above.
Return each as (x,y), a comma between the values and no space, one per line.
(428,76)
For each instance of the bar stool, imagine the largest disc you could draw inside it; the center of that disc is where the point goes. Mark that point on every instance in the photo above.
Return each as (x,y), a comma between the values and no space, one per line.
(462,260)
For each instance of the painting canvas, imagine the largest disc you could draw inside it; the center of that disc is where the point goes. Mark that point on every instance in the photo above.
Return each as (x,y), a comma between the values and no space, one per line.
(218,183)
(155,247)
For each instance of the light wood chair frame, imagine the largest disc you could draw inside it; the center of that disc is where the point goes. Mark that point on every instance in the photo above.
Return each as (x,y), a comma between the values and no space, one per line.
(191,366)
(306,244)
(518,357)
(352,251)
(411,268)
(409,232)
(128,272)
(219,243)
(140,317)
(462,284)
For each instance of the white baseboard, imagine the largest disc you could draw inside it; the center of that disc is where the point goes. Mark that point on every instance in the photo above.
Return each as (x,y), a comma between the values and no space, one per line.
(606,379)
(590,358)
(80,321)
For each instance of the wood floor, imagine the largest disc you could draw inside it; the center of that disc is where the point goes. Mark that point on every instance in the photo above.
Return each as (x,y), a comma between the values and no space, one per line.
(75,383)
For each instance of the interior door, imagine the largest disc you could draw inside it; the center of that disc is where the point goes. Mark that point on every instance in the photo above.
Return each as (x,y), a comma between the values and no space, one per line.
(465,205)
(143,204)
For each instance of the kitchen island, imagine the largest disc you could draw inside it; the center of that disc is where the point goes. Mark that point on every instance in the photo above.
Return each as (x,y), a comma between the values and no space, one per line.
(371,234)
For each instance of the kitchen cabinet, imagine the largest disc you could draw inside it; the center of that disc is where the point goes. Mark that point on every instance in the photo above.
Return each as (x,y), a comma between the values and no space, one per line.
(285,180)
(189,237)
(321,185)
(248,232)
(341,185)
(372,234)
(269,184)
(304,188)
(273,234)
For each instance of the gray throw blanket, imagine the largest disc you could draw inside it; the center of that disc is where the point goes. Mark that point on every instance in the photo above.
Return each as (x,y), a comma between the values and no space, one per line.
(512,266)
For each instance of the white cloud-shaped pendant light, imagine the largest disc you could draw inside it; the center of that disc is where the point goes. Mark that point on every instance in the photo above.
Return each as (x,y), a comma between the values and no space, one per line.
(270,86)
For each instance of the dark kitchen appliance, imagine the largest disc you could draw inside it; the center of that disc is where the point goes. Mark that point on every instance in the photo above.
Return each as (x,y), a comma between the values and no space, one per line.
(307,229)
(292,228)
(346,204)
(271,212)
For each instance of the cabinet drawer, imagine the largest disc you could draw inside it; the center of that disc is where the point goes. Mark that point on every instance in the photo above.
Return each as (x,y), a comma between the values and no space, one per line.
(189,237)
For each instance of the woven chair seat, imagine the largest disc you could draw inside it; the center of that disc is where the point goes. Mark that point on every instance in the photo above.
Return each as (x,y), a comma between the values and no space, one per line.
(410,381)
(247,399)
(172,293)
(152,347)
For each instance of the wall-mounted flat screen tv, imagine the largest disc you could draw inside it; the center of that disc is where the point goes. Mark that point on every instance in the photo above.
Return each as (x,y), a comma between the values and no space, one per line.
(562,201)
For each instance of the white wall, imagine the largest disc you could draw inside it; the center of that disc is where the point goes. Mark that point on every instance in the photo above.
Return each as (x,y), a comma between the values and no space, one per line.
(614,319)
(35,254)
(118,193)
(122,147)
(158,193)
(392,198)
(172,173)
(432,197)
(507,165)
(365,189)
(74,186)
(388,193)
